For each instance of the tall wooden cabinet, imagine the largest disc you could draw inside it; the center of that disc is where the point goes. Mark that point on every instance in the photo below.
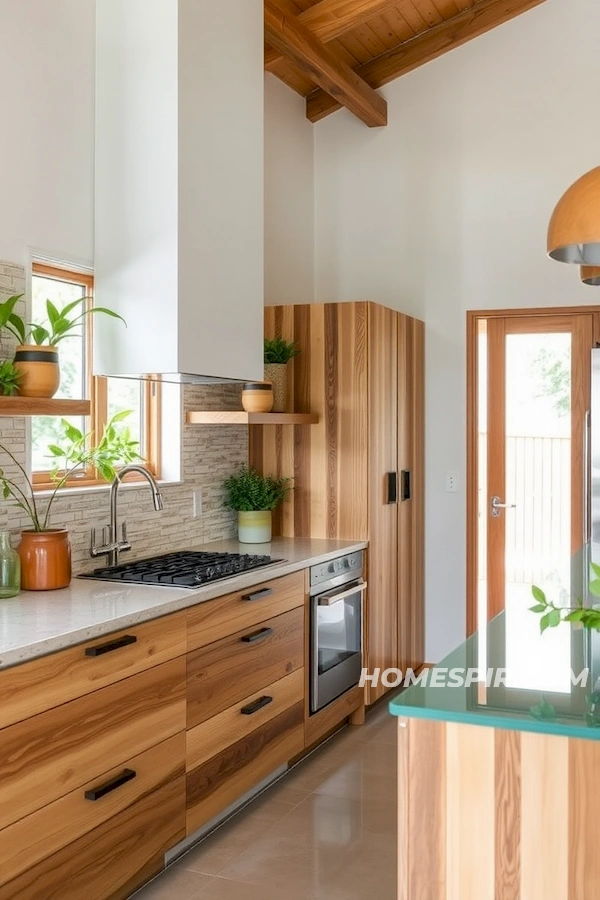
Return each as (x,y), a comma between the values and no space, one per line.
(361,370)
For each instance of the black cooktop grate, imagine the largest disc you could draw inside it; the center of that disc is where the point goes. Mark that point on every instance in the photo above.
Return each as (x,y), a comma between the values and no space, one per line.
(187,568)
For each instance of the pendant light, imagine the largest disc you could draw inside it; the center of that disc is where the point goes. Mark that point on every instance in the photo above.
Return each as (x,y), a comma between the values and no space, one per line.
(591,275)
(574,230)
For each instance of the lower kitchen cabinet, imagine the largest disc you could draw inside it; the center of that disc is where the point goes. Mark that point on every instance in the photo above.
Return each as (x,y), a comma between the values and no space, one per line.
(92,791)
(28,841)
(251,740)
(245,695)
(148,734)
(114,859)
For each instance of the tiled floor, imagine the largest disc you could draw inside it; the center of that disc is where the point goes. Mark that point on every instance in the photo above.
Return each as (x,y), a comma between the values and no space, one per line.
(326,830)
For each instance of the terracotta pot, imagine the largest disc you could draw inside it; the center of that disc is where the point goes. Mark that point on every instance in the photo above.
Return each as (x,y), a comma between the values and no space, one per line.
(45,559)
(38,367)
(277,374)
(257,397)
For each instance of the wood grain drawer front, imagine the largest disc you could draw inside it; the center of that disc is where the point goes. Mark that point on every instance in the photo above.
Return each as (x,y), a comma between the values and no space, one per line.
(225,672)
(52,754)
(114,859)
(41,684)
(215,735)
(219,782)
(44,832)
(220,618)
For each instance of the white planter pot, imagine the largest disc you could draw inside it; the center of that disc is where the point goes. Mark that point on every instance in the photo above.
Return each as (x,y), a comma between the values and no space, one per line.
(254,527)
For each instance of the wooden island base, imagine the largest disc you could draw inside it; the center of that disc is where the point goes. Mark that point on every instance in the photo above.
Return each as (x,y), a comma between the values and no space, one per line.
(491,814)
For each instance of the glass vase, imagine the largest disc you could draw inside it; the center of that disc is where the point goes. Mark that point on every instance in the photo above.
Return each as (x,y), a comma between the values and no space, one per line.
(10,568)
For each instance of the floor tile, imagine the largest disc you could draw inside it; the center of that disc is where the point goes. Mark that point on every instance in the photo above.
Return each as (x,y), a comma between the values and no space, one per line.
(219,888)
(174,884)
(235,836)
(325,831)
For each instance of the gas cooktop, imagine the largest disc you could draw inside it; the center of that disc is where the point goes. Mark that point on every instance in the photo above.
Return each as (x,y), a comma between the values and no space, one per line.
(185,569)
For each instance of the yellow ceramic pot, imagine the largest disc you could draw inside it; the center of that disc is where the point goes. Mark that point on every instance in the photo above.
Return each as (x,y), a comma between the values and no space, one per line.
(39,371)
(257,397)
(254,527)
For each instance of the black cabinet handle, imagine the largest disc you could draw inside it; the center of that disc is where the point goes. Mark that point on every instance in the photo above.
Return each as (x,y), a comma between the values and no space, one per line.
(258,595)
(405,488)
(257,636)
(125,776)
(255,706)
(392,487)
(99,649)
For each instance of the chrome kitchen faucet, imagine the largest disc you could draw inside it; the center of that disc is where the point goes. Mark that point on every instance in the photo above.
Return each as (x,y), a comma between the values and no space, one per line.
(114,546)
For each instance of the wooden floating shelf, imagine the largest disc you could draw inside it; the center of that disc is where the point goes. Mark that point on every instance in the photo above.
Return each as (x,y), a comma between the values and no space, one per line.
(240,417)
(43,406)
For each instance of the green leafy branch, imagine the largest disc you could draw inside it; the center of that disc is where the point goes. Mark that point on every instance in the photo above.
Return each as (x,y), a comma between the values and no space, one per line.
(61,323)
(9,378)
(552,615)
(115,447)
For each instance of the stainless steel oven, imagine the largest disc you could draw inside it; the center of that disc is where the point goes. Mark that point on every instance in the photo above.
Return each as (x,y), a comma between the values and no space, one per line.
(336,599)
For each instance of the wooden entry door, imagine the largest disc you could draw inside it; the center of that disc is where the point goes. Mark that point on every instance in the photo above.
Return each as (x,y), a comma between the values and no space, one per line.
(533,382)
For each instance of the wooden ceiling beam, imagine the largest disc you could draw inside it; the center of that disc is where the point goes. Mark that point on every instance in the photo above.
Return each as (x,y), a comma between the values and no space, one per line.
(423,48)
(331,18)
(293,40)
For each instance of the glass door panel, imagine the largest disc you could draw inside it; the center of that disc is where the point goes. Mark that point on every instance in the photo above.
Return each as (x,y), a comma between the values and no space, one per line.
(533,385)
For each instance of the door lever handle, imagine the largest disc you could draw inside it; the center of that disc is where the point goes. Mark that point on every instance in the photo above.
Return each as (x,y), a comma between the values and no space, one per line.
(497,505)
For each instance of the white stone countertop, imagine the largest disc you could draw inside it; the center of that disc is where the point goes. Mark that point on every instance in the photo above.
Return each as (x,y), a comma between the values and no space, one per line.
(36,623)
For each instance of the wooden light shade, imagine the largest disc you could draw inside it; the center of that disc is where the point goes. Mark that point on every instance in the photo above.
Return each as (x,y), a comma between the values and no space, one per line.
(591,275)
(574,230)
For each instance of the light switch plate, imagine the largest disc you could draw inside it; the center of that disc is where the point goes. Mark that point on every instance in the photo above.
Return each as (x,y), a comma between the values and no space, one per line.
(451,482)
(196,503)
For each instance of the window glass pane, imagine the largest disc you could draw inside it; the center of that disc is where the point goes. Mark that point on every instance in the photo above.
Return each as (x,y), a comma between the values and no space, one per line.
(126,393)
(538,481)
(46,429)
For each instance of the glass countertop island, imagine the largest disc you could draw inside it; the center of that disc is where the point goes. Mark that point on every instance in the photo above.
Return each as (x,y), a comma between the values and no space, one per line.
(516,679)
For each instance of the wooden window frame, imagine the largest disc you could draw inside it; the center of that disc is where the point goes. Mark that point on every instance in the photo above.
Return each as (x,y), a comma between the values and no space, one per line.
(97,388)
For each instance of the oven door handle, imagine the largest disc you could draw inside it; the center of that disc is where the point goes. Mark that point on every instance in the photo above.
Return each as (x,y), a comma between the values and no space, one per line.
(331,598)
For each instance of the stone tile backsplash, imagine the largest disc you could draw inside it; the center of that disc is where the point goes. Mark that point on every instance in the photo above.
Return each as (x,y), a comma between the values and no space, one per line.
(209,455)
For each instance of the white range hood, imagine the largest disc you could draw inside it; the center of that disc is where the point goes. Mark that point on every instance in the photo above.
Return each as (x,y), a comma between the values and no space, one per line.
(179,188)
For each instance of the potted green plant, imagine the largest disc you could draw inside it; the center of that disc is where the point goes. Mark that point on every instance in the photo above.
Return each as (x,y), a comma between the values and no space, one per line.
(9,378)
(254,497)
(36,354)
(45,552)
(278,353)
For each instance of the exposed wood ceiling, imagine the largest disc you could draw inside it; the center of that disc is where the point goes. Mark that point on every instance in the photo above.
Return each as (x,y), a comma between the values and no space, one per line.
(338,52)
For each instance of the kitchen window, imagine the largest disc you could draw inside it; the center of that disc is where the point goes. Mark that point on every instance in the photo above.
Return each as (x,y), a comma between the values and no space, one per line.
(107,395)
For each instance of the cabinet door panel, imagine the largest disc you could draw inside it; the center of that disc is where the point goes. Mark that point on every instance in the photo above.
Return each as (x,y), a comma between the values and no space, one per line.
(40,684)
(224,616)
(47,756)
(112,860)
(217,734)
(44,832)
(230,669)
(382,576)
(411,431)
(213,786)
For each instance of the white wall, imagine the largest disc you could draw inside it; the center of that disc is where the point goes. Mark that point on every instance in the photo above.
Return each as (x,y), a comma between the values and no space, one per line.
(289,197)
(47,116)
(446,210)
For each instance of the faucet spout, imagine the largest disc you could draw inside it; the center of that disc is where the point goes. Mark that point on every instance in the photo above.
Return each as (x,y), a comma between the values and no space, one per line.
(157,499)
